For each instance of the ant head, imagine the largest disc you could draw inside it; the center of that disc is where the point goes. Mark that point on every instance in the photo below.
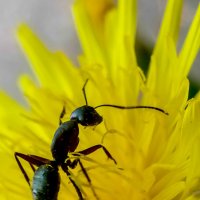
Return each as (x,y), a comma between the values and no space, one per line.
(86,116)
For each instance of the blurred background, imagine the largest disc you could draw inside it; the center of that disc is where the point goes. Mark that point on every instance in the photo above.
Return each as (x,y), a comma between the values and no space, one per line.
(53,22)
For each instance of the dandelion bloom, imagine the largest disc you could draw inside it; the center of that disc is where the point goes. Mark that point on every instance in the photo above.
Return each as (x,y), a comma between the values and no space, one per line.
(157,155)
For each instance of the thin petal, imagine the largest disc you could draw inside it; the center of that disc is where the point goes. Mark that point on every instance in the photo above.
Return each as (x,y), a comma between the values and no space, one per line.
(164,60)
(107,35)
(170,192)
(50,68)
(122,36)
(191,45)
(85,20)
(190,147)
(170,23)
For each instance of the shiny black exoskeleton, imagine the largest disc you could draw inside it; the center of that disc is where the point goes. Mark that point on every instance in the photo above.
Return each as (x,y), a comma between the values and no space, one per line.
(46,180)
(66,136)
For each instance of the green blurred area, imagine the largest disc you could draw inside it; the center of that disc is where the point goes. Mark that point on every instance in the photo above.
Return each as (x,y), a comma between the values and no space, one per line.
(194,88)
(143,53)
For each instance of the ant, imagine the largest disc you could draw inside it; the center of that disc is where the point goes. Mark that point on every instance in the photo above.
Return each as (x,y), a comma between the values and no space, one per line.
(46,179)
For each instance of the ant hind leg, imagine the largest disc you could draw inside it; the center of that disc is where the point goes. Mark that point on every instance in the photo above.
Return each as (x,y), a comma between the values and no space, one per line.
(17,156)
(32,160)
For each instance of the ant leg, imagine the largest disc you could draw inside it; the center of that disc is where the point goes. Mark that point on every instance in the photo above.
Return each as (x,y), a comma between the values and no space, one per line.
(88,178)
(65,169)
(32,167)
(62,115)
(73,164)
(37,160)
(32,160)
(84,93)
(94,148)
(22,169)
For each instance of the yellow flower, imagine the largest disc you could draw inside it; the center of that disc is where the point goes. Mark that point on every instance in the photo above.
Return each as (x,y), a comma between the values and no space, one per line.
(157,155)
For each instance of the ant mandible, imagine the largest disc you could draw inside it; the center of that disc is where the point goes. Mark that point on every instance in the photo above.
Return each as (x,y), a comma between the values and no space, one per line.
(46,179)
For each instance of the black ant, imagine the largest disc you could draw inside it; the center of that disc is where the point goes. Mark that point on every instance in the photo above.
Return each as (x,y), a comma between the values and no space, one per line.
(46,179)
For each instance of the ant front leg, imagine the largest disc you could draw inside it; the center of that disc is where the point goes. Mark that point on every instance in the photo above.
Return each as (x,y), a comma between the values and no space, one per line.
(93,149)
(84,93)
(32,160)
(62,115)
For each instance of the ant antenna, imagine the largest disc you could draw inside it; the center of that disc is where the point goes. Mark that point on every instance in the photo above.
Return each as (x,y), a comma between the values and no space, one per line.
(84,94)
(132,107)
(120,107)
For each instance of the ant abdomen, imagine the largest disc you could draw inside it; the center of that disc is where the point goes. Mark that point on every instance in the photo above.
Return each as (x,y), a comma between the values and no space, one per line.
(46,183)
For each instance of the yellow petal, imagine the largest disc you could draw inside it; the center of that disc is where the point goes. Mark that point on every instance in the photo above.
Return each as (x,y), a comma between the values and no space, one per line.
(170,24)
(164,60)
(50,68)
(84,19)
(191,46)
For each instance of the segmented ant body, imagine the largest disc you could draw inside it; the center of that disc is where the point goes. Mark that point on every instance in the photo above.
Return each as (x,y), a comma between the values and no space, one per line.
(46,179)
